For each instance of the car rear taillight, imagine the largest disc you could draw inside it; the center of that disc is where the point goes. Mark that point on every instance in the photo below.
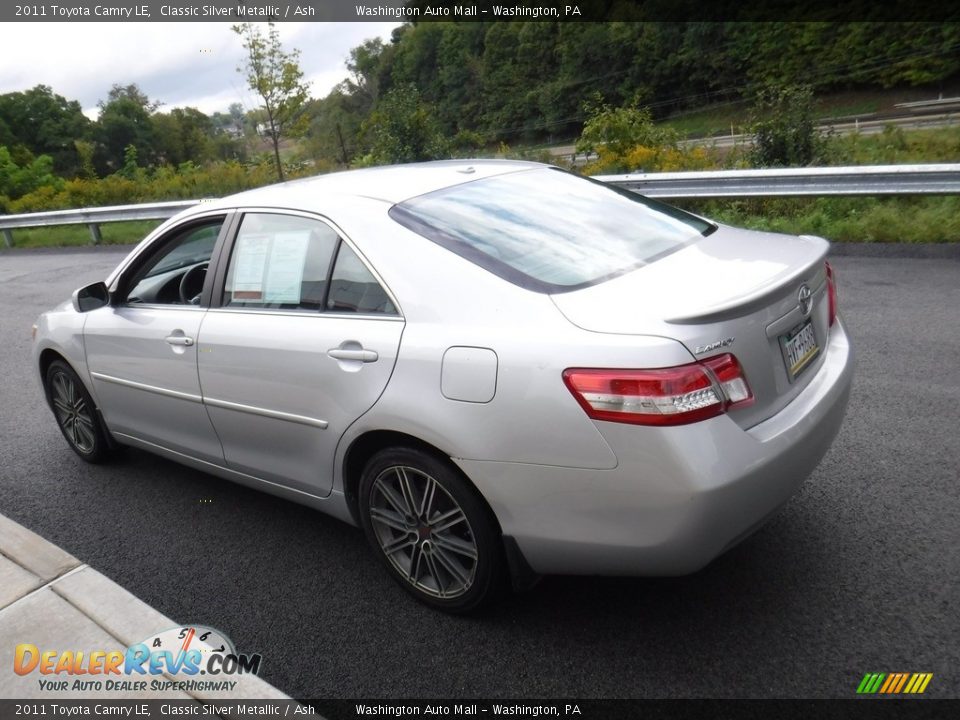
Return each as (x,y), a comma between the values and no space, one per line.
(661,396)
(831,294)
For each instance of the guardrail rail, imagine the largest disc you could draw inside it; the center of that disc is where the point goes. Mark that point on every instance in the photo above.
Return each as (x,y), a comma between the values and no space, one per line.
(943,179)
(795,182)
(92,217)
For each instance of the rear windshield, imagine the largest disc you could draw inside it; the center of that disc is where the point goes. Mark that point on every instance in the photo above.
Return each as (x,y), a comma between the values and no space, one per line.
(548,230)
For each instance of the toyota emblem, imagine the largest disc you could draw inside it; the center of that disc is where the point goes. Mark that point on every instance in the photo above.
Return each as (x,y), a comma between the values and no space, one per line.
(805,300)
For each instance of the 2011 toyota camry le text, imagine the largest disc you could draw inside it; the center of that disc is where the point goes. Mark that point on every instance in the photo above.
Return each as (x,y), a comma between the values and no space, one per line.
(497,369)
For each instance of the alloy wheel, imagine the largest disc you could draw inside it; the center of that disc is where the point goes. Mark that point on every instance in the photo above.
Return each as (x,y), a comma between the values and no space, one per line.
(423,532)
(73,413)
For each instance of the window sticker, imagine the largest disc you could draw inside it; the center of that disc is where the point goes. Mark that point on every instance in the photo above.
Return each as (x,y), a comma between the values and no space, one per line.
(251,263)
(285,271)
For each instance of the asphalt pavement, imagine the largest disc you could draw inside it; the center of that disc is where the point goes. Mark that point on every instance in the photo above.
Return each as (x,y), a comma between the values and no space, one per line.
(859,573)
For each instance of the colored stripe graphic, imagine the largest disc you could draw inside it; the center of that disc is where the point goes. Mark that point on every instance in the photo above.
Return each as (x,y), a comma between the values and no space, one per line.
(894,683)
(903,680)
(891,679)
(870,683)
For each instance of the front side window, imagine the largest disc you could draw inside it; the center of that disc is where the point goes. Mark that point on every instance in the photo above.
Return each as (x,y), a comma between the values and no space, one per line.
(548,230)
(174,275)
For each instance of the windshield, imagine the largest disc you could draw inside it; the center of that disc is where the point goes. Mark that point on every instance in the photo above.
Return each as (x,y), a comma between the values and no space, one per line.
(198,247)
(549,230)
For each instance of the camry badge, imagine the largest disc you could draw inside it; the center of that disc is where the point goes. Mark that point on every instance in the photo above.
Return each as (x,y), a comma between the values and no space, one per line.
(805,300)
(713,346)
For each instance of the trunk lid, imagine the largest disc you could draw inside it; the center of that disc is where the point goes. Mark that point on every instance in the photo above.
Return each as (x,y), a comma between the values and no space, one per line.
(734,291)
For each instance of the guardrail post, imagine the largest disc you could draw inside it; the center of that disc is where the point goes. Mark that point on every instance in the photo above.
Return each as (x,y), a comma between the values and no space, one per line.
(95,233)
(8,237)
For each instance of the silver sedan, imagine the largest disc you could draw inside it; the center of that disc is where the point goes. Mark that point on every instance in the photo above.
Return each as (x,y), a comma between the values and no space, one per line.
(497,369)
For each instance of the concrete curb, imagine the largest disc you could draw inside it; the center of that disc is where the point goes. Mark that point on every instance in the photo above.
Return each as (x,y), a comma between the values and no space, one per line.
(51,599)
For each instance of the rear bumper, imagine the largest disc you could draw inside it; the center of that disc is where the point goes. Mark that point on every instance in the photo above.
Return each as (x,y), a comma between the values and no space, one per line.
(679,496)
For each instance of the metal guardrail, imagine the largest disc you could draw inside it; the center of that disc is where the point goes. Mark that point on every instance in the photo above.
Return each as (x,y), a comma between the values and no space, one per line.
(777,182)
(795,182)
(926,104)
(92,217)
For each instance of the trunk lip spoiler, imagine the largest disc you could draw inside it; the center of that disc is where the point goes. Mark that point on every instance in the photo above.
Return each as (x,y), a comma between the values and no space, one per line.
(750,302)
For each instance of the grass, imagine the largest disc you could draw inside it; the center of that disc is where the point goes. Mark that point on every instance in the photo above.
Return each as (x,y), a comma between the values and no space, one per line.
(714,121)
(884,220)
(895,146)
(120,233)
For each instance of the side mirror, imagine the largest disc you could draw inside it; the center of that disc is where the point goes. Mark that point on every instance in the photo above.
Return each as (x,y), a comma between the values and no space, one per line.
(91,297)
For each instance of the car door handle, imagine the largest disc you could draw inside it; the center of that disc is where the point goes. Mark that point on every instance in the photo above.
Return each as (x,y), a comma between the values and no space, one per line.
(179,340)
(351,354)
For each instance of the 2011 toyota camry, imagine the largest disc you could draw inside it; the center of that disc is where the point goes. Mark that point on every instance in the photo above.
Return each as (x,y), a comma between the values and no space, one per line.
(497,369)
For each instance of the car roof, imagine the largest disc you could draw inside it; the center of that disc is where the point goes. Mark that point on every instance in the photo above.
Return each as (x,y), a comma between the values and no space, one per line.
(390,184)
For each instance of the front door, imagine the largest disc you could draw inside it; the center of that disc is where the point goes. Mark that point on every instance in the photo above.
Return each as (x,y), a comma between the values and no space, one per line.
(142,351)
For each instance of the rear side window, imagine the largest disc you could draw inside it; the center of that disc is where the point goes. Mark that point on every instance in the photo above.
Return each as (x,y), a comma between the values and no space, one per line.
(354,289)
(289,262)
(549,230)
(280,262)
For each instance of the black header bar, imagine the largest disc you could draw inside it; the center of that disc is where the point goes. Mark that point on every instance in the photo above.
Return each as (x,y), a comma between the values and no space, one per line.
(417,11)
(852,709)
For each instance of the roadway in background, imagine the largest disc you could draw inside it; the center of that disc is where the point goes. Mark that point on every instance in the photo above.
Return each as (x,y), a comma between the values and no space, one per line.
(840,126)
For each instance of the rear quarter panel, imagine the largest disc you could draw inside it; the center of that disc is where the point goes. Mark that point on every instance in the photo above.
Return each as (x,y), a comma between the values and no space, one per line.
(449,302)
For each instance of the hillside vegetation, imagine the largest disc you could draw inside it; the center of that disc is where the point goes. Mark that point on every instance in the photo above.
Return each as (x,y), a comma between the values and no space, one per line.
(628,93)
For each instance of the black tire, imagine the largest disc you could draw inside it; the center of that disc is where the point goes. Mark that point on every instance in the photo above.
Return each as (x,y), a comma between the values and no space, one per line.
(76,413)
(426,535)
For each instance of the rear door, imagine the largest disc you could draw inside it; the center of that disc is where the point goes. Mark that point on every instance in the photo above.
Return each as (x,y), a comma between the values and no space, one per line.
(141,350)
(302,343)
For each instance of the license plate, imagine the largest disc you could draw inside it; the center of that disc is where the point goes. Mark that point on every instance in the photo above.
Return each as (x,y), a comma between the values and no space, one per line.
(799,348)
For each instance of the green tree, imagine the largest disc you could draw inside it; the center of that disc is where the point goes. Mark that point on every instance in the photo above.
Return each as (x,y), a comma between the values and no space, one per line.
(335,121)
(183,134)
(45,124)
(403,129)
(458,98)
(85,152)
(19,178)
(365,63)
(785,132)
(334,127)
(503,87)
(125,120)
(275,75)
(618,130)
(529,80)
(133,93)
(131,169)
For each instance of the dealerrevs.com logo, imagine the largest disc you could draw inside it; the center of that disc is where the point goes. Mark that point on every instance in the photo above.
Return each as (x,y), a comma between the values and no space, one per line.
(198,658)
